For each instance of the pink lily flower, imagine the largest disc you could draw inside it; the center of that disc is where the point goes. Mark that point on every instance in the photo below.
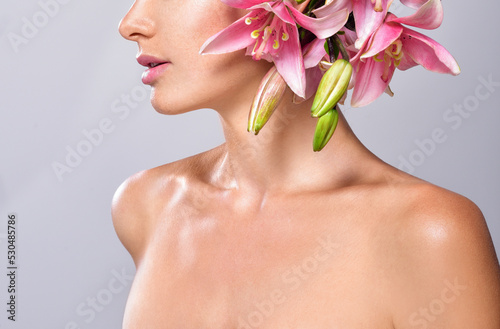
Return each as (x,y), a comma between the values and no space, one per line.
(332,7)
(313,53)
(368,15)
(269,31)
(395,46)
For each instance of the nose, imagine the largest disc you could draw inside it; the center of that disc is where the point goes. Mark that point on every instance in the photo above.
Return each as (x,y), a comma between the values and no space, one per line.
(138,22)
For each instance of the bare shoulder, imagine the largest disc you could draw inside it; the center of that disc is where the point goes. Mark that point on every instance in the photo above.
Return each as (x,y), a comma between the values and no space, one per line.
(133,206)
(434,217)
(444,271)
(141,200)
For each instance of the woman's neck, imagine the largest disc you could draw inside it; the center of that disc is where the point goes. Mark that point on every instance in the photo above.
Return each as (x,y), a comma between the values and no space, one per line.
(280,158)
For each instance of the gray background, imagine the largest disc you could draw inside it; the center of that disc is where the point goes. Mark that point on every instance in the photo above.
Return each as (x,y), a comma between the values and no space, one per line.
(74,71)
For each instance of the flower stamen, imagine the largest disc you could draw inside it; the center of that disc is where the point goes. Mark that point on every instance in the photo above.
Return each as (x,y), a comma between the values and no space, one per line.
(378,5)
(269,40)
(391,56)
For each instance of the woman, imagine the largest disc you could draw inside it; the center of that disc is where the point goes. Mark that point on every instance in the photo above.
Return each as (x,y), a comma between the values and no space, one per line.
(262,232)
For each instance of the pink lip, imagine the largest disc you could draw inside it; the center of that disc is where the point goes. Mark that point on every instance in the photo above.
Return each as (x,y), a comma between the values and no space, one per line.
(156,67)
(153,73)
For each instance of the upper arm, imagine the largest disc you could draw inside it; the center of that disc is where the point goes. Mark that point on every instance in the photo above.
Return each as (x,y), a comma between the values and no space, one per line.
(448,274)
(130,215)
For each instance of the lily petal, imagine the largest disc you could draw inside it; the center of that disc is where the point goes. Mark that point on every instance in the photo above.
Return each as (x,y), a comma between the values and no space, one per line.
(279,9)
(414,4)
(348,38)
(406,62)
(428,53)
(236,36)
(243,3)
(367,19)
(313,77)
(333,7)
(265,56)
(290,63)
(383,37)
(314,53)
(429,16)
(322,27)
(369,84)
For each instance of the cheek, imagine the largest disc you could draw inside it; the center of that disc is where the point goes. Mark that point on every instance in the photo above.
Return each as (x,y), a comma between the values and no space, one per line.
(214,81)
(203,80)
(207,19)
(201,19)
(204,19)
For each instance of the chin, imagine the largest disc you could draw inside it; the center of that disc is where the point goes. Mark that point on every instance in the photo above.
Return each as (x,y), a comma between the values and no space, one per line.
(171,104)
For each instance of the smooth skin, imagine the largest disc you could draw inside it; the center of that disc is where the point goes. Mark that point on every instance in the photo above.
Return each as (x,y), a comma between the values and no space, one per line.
(262,232)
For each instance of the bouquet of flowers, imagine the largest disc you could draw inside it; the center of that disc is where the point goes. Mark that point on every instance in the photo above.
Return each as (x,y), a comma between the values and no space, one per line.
(324,48)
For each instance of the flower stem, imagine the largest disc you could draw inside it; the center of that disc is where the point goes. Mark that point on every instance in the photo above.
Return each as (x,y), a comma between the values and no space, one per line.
(339,43)
(331,49)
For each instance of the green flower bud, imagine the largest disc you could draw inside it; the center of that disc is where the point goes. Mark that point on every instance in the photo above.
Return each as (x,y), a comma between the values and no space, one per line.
(324,129)
(267,99)
(332,87)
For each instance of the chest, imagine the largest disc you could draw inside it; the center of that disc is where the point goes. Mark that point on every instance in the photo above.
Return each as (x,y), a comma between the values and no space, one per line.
(283,274)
